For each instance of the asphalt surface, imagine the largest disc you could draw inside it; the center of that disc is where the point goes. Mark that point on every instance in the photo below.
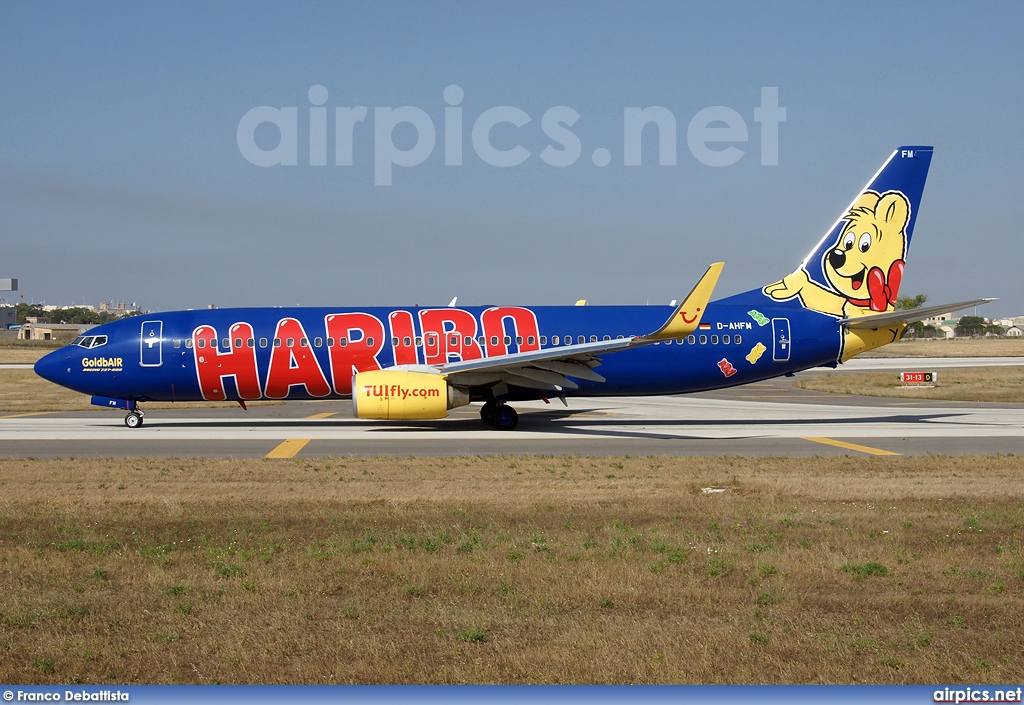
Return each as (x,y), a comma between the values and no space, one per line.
(765,419)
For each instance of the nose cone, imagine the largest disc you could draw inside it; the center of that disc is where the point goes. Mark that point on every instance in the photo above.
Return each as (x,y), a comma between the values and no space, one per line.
(53,367)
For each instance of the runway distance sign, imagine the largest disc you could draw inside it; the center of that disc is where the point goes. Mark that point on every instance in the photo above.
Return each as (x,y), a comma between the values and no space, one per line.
(919,377)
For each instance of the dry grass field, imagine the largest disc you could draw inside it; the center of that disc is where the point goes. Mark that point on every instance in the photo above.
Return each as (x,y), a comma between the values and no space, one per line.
(23,352)
(999,384)
(512,570)
(954,347)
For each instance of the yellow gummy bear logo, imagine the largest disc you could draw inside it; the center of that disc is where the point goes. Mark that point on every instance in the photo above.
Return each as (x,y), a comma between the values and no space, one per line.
(755,353)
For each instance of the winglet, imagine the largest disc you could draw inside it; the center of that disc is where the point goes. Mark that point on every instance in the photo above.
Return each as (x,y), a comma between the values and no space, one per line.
(686,316)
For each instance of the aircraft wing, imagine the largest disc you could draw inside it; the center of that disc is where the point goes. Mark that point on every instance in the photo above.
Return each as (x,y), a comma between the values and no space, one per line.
(880,320)
(554,368)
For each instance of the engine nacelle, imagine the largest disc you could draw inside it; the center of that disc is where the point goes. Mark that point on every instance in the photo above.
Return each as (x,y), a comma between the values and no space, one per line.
(400,394)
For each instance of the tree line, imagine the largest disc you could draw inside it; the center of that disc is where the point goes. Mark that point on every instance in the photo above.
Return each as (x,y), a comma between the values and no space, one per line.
(72,314)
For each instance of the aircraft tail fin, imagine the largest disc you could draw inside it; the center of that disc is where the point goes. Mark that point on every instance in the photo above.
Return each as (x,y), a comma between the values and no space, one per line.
(857,267)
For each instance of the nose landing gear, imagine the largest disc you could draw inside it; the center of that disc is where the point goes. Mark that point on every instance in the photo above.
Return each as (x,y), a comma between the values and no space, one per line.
(134,418)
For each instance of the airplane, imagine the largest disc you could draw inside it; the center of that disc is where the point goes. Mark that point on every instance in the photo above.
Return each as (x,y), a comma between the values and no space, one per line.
(417,363)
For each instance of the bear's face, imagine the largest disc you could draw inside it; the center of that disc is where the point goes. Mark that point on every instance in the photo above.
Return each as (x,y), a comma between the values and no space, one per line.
(873,239)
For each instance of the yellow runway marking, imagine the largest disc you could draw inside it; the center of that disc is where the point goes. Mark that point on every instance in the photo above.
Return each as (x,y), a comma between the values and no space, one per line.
(852,446)
(289,448)
(20,416)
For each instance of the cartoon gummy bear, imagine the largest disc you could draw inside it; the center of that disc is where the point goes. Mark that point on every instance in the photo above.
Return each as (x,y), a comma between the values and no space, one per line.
(864,267)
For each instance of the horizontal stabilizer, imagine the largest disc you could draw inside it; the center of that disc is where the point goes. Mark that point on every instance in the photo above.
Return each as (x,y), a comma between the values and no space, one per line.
(880,320)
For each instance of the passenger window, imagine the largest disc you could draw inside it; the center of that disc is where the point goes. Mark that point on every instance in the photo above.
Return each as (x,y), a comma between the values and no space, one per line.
(277,342)
(250,343)
(508,340)
(303,342)
(407,341)
(431,340)
(318,342)
(739,340)
(593,339)
(554,340)
(714,340)
(188,343)
(690,339)
(607,337)
(238,342)
(225,343)
(620,337)
(290,342)
(703,340)
(202,342)
(582,339)
(263,342)
(519,340)
(394,342)
(481,340)
(543,340)
(453,340)
(176,343)
(494,340)
(726,339)
(343,342)
(419,340)
(369,342)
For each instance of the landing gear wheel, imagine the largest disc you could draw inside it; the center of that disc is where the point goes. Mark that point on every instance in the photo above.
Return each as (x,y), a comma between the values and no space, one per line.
(505,418)
(133,419)
(487,413)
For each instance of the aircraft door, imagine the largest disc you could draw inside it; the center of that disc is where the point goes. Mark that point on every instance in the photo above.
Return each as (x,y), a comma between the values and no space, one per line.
(782,342)
(152,344)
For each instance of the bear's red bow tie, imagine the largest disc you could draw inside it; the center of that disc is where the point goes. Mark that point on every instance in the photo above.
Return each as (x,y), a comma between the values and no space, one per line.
(882,290)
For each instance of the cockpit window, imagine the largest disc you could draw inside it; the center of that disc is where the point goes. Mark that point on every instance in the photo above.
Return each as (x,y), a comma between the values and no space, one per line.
(90,341)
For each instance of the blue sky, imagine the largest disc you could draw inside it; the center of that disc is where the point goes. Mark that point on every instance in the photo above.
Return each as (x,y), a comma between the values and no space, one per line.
(121,176)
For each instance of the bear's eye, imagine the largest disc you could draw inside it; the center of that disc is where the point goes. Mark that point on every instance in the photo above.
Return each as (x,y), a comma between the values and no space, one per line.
(865,242)
(848,242)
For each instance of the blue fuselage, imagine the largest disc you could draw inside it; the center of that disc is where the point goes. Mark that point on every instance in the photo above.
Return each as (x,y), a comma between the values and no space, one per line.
(185,355)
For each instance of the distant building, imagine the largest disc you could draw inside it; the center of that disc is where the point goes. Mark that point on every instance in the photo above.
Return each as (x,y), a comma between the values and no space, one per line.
(1014,332)
(941,320)
(52,331)
(118,309)
(8,317)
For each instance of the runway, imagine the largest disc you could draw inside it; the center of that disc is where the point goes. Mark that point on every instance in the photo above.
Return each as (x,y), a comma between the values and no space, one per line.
(766,419)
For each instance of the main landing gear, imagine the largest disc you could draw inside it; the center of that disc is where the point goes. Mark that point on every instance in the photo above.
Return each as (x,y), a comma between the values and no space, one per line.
(134,418)
(501,416)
